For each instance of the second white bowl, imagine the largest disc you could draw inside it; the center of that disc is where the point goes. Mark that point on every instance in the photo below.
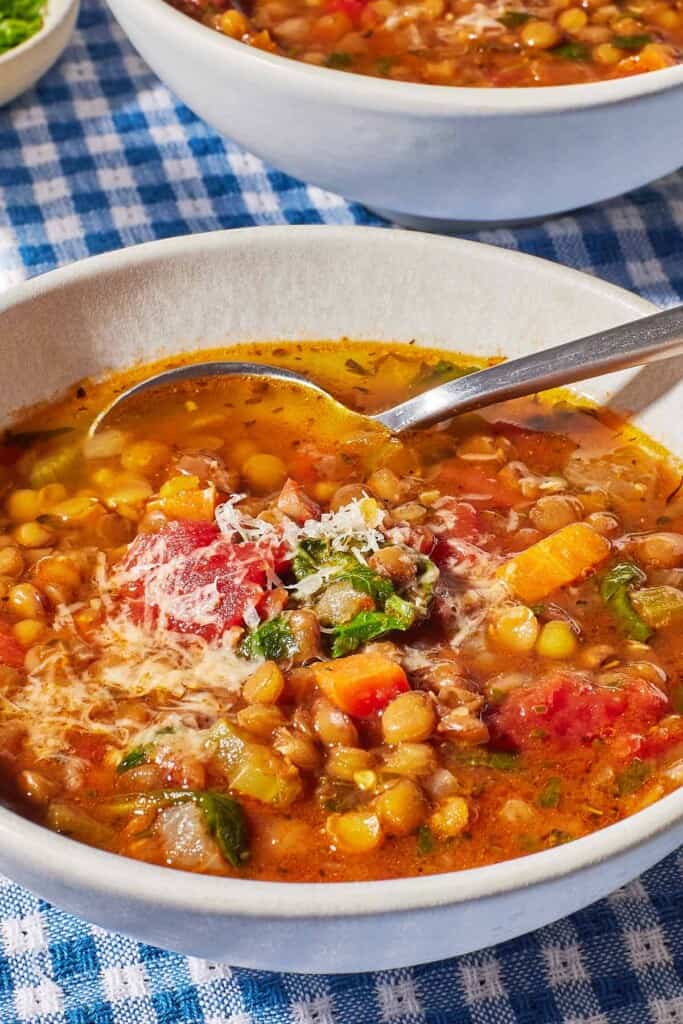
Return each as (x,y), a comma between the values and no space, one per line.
(426,156)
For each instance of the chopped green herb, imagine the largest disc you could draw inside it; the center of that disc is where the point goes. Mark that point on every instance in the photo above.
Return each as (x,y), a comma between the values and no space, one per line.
(571,51)
(442,371)
(425,840)
(501,760)
(551,792)
(272,640)
(365,581)
(513,19)
(559,836)
(227,823)
(308,557)
(614,590)
(632,42)
(383,65)
(224,817)
(19,20)
(351,364)
(397,615)
(133,759)
(339,60)
(632,778)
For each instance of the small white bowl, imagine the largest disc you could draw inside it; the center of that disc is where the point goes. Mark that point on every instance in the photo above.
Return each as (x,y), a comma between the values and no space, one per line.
(429,156)
(323,282)
(21,67)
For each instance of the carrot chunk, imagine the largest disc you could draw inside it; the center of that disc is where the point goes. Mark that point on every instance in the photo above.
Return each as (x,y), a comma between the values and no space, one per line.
(361,684)
(554,562)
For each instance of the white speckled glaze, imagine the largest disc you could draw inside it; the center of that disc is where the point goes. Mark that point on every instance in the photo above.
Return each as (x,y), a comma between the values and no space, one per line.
(323,282)
(21,67)
(425,155)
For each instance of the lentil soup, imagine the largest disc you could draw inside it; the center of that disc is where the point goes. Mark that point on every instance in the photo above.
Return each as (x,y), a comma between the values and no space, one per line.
(313,653)
(486,43)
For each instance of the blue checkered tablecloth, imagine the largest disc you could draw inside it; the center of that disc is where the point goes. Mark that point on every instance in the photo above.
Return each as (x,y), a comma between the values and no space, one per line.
(99,156)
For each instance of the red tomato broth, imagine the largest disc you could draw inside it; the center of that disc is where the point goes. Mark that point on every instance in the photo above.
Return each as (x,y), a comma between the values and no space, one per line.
(460,42)
(460,729)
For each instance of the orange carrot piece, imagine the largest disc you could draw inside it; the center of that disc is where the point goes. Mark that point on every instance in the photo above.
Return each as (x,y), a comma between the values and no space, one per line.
(554,562)
(361,684)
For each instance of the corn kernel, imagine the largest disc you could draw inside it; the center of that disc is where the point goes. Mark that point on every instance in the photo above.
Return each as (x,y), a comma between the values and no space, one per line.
(264,473)
(514,629)
(324,489)
(28,631)
(365,780)
(265,685)
(146,456)
(355,831)
(539,35)
(51,494)
(556,640)
(11,562)
(451,818)
(241,451)
(25,601)
(34,535)
(177,485)
(572,20)
(233,24)
(606,53)
(23,506)
(401,808)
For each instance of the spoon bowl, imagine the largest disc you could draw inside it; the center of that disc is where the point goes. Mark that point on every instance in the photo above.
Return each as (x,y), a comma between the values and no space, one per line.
(646,340)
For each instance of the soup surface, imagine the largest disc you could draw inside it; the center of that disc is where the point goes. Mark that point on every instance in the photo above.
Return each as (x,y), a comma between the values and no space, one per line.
(461,42)
(238,636)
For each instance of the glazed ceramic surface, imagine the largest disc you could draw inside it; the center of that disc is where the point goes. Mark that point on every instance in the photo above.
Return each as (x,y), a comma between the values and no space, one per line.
(424,155)
(323,282)
(21,67)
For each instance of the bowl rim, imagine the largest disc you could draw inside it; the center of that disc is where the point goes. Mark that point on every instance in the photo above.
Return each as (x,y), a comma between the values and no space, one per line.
(56,13)
(402,98)
(46,853)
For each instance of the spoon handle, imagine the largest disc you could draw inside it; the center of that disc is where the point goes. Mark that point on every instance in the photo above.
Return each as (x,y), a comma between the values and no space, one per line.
(659,336)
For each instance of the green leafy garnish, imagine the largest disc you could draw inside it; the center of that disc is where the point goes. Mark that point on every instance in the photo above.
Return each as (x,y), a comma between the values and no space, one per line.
(227,823)
(480,757)
(632,778)
(19,20)
(383,65)
(442,371)
(636,42)
(425,840)
(365,581)
(550,794)
(513,19)
(134,758)
(339,60)
(571,51)
(223,815)
(366,626)
(272,640)
(308,557)
(614,590)
(26,438)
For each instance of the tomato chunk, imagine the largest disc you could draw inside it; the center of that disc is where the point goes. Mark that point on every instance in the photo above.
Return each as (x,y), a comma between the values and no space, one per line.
(188,578)
(566,709)
(361,684)
(11,651)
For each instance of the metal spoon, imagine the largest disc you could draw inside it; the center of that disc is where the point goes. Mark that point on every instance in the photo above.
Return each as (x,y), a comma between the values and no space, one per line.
(647,340)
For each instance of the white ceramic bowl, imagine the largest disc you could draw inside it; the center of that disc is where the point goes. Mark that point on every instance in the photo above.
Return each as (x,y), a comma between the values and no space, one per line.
(308,282)
(424,155)
(21,67)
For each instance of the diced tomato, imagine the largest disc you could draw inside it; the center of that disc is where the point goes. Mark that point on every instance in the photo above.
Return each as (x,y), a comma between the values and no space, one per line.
(11,652)
(87,745)
(352,8)
(662,738)
(568,710)
(542,451)
(361,684)
(478,484)
(191,580)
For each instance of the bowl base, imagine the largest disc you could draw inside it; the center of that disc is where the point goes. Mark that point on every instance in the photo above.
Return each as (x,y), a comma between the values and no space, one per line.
(444,226)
